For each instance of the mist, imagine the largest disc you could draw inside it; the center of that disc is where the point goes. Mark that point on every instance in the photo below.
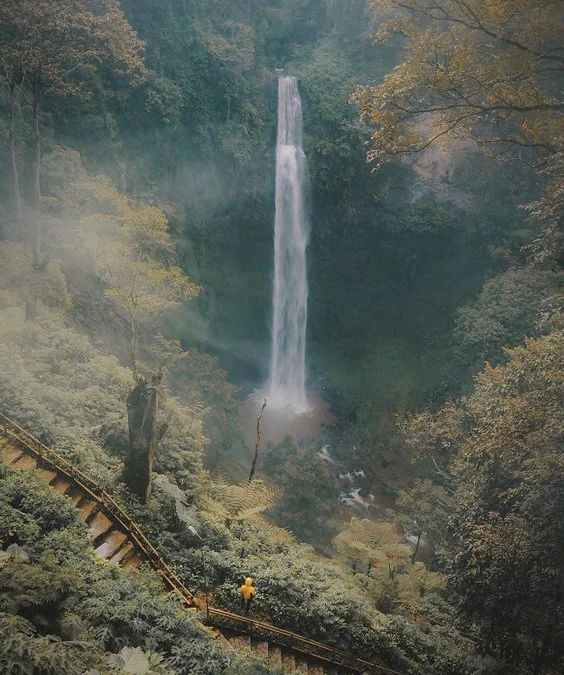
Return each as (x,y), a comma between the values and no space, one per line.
(344,384)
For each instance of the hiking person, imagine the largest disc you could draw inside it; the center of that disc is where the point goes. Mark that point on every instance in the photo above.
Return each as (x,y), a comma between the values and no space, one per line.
(248,592)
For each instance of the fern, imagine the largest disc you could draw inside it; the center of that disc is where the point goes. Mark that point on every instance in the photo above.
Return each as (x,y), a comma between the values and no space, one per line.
(243,502)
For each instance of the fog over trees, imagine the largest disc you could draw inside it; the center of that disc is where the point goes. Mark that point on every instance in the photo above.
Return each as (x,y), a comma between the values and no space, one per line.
(412,519)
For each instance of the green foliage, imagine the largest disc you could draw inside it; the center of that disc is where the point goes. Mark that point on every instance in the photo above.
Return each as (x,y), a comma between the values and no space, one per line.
(249,665)
(24,652)
(137,662)
(504,462)
(69,387)
(505,312)
(384,556)
(309,489)
(241,502)
(64,612)
(439,649)
(447,88)
(197,379)
(391,259)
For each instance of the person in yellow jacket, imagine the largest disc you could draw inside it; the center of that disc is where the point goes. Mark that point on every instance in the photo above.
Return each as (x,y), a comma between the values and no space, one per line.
(248,592)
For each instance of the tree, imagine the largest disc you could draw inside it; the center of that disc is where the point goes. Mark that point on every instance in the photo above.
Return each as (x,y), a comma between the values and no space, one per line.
(505,561)
(12,78)
(132,252)
(257,443)
(385,558)
(50,47)
(498,460)
(144,436)
(309,486)
(485,71)
(376,544)
(503,313)
(196,378)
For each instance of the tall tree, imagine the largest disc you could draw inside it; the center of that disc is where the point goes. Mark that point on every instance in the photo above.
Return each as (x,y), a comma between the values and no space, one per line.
(131,250)
(508,562)
(51,47)
(502,451)
(12,80)
(486,71)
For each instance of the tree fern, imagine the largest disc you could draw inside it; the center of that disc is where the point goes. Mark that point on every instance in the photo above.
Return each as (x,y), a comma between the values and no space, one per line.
(380,548)
(243,502)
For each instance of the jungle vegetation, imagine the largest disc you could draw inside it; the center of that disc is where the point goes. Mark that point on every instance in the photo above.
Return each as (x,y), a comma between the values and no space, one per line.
(136,183)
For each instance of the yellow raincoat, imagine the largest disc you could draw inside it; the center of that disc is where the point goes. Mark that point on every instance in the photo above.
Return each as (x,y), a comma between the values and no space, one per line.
(248,590)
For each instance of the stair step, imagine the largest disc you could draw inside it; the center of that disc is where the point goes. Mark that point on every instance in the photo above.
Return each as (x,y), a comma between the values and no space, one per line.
(86,509)
(259,647)
(222,641)
(75,494)
(61,485)
(330,669)
(302,665)
(121,554)
(315,668)
(239,642)
(288,661)
(50,475)
(274,656)
(133,561)
(24,463)
(9,454)
(112,542)
(99,526)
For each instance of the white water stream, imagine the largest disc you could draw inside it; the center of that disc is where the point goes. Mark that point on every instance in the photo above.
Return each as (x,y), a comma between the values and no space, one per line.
(286,388)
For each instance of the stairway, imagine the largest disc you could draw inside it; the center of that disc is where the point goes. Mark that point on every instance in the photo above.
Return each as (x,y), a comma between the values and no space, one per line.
(279,657)
(119,540)
(110,541)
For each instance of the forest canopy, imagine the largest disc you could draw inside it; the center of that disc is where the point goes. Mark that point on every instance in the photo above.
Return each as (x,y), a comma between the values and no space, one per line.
(416,523)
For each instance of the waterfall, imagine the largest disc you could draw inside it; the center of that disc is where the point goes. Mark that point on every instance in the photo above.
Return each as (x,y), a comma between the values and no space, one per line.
(291,231)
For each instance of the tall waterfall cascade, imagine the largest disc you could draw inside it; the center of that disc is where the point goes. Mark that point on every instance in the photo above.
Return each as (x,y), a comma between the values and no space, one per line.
(291,233)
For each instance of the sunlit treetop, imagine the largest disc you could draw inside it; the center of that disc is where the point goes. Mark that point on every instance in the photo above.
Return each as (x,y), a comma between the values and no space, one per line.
(54,44)
(489,70)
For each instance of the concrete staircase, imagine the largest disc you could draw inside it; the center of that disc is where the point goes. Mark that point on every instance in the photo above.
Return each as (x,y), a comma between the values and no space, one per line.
(119,540)
(278,656)
(110,541)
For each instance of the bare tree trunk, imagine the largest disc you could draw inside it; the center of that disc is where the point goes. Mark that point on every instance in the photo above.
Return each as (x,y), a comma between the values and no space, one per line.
(38,265)
(13,154)
(416,548)
(133,344)
(37,171)
(257,443)
(144,436)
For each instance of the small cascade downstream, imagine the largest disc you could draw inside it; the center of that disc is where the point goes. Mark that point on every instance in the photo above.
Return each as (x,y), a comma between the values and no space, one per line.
(286,387)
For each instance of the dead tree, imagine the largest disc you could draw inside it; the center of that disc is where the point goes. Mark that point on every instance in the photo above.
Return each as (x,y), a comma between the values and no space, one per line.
(144,436)
(257,443)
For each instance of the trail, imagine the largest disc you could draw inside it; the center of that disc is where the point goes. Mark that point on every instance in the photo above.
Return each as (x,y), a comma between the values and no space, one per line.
(118,539)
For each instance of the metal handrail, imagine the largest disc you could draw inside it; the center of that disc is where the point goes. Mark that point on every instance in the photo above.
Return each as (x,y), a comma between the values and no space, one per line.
(251,625)
(63,466)
(299,643)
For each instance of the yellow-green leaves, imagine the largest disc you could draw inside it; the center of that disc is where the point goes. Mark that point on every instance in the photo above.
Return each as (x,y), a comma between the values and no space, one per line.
(484,70)
(129,248)
(56,44)
(386,559)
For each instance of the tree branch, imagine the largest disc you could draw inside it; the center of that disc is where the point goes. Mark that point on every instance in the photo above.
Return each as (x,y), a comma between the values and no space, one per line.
(478,26)
(257,443)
